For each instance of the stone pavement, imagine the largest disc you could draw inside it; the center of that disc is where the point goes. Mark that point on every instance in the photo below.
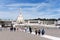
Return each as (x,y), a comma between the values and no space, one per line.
(51,34)
(19,35)
(48,37)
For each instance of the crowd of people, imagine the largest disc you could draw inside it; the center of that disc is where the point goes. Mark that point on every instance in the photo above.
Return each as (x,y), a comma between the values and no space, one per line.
(40,32)
(30,30)
(37,32)
(12,29)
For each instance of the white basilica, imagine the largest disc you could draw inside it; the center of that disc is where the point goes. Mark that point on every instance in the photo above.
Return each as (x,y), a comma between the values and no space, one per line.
(20,19)
(35,22)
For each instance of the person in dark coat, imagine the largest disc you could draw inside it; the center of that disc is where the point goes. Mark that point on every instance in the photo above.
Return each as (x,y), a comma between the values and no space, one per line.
(43,31)
(30,29)
(39,32)
(11,29)
(36,32)
(14,29)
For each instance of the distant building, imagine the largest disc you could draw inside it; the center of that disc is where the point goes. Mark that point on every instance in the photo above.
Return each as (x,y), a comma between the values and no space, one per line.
(58,23)
(20,20)
(42,21)
(5,23)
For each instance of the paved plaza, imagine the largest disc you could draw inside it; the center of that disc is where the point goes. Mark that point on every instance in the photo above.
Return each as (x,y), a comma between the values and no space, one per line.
(50,34)
(7,35)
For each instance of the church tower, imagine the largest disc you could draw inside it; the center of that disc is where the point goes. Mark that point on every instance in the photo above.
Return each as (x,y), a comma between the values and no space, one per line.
(20,18)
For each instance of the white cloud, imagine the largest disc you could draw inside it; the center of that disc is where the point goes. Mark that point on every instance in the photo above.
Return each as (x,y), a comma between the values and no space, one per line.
(31,12)
(22,4)
(8,15)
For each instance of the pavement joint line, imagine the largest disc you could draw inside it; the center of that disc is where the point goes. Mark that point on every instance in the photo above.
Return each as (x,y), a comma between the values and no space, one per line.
(48,36)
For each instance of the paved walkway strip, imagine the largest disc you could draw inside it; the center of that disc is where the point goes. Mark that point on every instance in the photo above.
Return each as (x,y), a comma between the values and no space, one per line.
(49,37)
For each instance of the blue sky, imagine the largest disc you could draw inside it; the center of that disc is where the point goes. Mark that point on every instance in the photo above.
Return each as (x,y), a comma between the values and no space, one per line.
(10,9)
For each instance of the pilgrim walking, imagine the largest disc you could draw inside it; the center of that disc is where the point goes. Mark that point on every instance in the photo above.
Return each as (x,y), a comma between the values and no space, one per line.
(39,32)
(30,29)
(43,31)
(36,32)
